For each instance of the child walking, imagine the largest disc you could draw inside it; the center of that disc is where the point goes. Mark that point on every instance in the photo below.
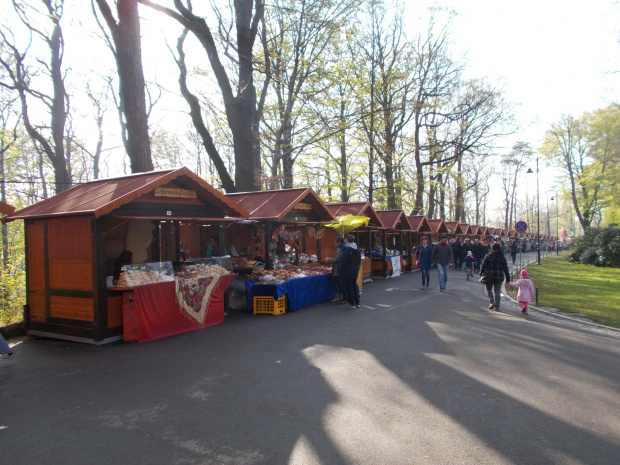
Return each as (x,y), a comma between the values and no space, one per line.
(469,264)
(526,291)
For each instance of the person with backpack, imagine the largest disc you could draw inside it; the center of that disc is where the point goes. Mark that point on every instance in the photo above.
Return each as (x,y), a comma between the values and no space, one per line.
(349,270)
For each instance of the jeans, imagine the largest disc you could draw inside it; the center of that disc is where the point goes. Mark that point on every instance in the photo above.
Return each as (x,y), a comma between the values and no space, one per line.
(426,276)
(352,291)
(336,284)
(494,291)
(443,275)
(343,290)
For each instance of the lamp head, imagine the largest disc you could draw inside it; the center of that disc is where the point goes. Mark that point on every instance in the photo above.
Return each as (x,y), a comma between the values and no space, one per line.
(529,171)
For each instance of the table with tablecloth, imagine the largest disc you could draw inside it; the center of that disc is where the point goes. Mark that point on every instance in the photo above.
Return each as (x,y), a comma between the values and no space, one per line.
(300,292)
(169,308)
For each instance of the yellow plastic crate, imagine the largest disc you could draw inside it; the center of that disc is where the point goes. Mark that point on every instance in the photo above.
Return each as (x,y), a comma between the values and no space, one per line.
(269,305)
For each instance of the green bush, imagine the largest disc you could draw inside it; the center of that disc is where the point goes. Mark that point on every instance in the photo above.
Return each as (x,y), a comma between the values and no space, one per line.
(598,247)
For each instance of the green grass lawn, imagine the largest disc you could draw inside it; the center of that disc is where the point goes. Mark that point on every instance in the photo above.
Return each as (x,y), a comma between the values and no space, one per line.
(573,288)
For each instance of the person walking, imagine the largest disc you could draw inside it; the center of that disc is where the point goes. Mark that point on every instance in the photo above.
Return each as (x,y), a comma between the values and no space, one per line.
(469,264)
(514,248)
(443,258)
(526,291)
(494,269)
(351,261)
(456,252)
(423,255)
(336,264)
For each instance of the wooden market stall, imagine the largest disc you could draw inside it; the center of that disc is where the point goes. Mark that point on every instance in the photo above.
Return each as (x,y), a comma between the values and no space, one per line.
(466,228)
(363,235)
(296,218)
(438,228)
(392,260)
(74,238)
(454,228)
(419,226)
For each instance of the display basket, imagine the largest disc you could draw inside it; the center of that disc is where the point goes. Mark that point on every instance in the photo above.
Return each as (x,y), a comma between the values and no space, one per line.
(269,305)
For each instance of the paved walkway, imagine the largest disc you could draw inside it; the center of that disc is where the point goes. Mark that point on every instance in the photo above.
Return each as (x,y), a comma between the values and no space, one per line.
(411,377)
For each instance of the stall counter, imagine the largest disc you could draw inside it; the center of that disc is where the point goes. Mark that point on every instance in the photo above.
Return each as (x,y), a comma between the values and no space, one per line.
(152,311)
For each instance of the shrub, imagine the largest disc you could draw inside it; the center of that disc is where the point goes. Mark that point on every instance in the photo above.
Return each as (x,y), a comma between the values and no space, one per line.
(598,247)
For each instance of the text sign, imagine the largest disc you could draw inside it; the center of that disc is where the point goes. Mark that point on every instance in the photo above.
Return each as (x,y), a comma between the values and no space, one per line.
(520,226)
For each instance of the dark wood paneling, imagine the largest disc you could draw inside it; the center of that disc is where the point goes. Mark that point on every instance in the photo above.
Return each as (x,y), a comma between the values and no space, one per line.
(75,308)
(70,238)
(35,267)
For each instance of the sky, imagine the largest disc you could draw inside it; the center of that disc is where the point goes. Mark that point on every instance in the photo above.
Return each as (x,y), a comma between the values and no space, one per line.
(550,57)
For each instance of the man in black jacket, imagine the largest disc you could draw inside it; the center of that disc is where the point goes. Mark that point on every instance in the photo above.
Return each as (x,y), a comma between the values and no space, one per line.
(495,269)
(351,261)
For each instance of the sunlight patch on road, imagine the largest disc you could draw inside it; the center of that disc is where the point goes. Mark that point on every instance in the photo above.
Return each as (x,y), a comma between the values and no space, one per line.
(375,407)
(303,453)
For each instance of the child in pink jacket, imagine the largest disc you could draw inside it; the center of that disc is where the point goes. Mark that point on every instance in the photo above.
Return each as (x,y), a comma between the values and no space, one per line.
(526,291)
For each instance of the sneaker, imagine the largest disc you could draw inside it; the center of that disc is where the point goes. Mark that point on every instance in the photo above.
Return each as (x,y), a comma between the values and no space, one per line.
(335,300)
(524,311)
(497,308)
(351,306)
(491,306)
(358,306)
(342,302)
(441,290)
(423,287)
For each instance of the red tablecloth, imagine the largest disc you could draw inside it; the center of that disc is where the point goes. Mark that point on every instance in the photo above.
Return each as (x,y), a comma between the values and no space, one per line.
(155,312)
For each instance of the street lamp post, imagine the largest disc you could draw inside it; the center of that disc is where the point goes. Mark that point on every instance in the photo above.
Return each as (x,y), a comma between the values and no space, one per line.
(557,224)
(529,171)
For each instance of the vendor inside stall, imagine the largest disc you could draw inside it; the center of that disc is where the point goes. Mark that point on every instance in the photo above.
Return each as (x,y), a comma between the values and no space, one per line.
(214,248)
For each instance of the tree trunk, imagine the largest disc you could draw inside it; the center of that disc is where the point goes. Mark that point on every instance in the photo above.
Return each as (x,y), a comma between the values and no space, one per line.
(132,86)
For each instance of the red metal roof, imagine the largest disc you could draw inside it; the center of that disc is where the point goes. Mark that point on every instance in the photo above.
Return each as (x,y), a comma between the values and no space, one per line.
(475,229)
(454,227)
(484,231)
(357,209)
(419,223)
(394,219)
(276,204)
(466,228)
(6,208)
(102,196)
(438,226)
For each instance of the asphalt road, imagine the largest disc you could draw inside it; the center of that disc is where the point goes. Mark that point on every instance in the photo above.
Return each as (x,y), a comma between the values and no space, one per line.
(411,377)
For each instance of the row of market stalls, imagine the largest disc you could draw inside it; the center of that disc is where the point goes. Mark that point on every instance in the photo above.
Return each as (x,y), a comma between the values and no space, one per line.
(172,281)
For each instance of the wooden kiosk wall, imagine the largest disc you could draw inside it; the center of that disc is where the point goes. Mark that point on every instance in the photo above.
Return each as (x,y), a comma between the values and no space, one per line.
(65,295)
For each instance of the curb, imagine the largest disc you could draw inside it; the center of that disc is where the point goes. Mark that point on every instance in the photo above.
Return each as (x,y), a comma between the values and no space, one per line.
(561,317)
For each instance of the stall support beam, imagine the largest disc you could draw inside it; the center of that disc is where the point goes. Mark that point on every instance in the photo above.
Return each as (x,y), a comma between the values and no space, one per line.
(370,251)
(100,311)
(384,255)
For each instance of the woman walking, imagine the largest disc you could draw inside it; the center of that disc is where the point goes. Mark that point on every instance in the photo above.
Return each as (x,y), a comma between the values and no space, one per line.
(495,270)
(423,255)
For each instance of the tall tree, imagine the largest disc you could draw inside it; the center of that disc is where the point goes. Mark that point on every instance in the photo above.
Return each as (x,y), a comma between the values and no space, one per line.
(567,145)
(241,107)
(511,165)
(125,32)
(297,45)
(48,137)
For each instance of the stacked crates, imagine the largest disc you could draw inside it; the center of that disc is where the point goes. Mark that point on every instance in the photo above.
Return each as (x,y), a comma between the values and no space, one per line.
(269,305)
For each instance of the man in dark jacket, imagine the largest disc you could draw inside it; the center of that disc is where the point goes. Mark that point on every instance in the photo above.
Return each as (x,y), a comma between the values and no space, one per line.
(456,252)
(495,270)
(351,261)
(443,258)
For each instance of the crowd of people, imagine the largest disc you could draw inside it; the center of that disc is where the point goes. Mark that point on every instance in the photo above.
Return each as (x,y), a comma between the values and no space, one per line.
(485,258)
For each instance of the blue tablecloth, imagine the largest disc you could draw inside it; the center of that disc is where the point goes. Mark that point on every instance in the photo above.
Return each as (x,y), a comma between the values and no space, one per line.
(300,293)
